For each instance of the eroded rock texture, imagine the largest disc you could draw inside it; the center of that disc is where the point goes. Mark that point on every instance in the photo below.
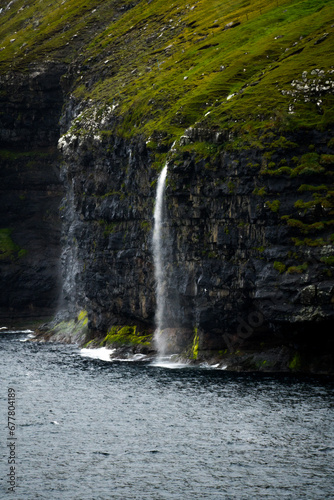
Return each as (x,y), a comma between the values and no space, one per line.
(247,232)
(30,193)
(240,271)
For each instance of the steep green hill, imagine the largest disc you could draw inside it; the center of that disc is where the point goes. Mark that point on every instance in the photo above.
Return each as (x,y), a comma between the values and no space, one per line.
(166,65)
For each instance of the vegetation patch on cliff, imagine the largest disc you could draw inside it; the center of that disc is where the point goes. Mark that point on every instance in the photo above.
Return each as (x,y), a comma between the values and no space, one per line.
(9,249)
(126,336)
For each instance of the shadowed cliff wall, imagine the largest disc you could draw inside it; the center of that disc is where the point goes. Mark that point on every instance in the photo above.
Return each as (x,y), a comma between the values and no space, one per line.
(30,193)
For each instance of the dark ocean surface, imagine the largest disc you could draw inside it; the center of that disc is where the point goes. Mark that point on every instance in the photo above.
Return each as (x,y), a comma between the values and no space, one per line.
(92,429)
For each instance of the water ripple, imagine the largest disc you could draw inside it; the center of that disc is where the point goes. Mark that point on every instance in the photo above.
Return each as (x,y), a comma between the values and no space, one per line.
(94,429)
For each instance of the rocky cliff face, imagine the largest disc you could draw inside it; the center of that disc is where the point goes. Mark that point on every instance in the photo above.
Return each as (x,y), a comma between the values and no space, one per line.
(107,212)
(239,105)
(30,193)
(245,273)
(248,247)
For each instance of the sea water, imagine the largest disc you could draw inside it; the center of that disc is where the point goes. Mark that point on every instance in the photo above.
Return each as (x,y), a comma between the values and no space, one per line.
(89,428)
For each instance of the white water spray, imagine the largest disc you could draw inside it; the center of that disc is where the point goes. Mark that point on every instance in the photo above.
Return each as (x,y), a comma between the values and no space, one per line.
(158,257)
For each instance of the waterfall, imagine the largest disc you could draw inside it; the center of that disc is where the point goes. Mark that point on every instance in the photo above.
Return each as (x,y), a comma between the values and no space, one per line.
(158,257)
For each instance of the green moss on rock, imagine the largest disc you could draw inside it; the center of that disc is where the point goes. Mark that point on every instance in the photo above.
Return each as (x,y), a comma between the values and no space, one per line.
(279,266)
(71,331)
(119,336)
(297,269)
(295,363)
(8,248)
(273,205)
(195,346)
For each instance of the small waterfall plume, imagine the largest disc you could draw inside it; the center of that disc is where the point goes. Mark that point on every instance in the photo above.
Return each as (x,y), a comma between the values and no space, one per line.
(158,257)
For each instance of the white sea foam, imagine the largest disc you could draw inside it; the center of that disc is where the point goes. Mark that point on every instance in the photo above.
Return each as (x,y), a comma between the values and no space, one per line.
(101,353)
(6,330)
(131,358)
(105,355)
(167,362)
(207,366)
(28,337)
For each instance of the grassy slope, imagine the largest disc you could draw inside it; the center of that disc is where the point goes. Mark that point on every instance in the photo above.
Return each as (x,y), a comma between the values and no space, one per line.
(169,64)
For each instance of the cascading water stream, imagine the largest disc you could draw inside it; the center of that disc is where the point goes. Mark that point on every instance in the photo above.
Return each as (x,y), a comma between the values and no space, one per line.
(158,257)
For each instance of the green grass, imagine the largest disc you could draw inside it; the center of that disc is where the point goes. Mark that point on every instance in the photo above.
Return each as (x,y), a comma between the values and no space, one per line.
(167,65)
(52,29)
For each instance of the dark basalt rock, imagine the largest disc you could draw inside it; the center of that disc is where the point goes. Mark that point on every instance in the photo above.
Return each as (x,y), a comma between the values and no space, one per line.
(30,192)
(222,238)
(221,243)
